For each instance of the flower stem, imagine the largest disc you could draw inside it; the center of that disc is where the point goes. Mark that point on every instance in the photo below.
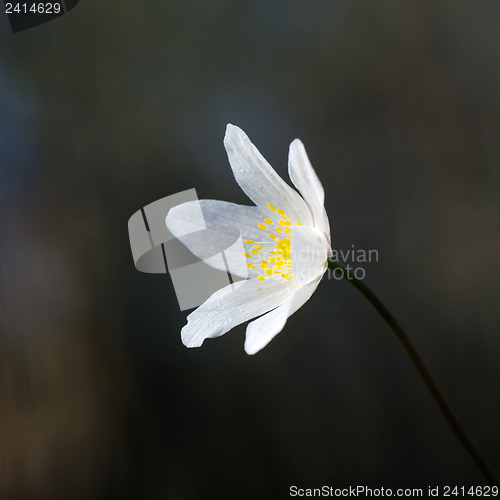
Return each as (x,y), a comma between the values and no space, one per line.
(422,370)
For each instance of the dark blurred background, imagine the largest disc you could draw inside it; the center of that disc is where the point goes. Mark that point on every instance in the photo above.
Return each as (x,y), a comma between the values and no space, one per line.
(120,103)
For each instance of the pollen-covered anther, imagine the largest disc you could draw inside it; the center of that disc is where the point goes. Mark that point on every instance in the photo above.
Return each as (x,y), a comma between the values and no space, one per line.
(280,264)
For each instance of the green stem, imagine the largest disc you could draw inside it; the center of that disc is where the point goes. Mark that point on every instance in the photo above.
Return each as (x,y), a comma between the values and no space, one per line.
(422,370)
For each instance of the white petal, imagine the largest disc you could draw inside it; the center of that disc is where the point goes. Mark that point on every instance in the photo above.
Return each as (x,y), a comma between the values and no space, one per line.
(261,331)
(309,254)
(259,180)
(304,178)
(233,305)
(325,224)
(209,227)
(194,215)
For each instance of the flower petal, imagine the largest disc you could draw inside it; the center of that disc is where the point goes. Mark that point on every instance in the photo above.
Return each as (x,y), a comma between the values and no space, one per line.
(261,331)
(195,215)
(233,305)
(228,226)
(309,254)
(259,180)
(304,178)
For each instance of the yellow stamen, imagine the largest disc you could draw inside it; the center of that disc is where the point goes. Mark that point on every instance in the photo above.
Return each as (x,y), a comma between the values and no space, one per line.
(250,265)
(246,254)
(282,249)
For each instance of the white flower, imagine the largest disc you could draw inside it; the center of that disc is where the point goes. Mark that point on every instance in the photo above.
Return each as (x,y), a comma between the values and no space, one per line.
(282,251)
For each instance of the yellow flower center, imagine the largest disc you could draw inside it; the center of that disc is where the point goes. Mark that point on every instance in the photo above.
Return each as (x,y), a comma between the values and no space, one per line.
(279,263)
